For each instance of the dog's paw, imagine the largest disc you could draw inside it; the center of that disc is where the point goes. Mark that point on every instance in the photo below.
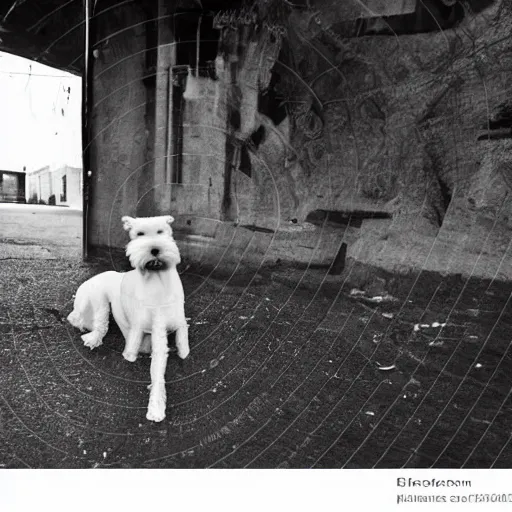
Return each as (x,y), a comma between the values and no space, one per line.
(157,403)
(92,340)
(154,415)
(130,356)
(156,410)
(183,352)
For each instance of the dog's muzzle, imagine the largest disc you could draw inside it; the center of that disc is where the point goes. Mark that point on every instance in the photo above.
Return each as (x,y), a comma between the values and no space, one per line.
(155,265)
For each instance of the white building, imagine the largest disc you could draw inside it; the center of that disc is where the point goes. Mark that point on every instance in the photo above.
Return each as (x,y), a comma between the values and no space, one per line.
(40,125)
(62,186)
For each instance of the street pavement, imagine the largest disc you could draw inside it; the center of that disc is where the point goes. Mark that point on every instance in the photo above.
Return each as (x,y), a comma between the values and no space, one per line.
(38,231)
(289,368)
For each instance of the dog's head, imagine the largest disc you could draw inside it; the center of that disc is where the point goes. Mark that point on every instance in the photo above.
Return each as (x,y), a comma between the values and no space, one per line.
(151,245)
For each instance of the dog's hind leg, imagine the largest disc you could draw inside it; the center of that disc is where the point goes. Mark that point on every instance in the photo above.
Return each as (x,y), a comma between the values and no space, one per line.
(159,353)
(100,316)
(145,346)
(182,341)
(82,314)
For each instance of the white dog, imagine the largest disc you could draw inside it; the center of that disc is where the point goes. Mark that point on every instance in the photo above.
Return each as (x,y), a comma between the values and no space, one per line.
(149,299)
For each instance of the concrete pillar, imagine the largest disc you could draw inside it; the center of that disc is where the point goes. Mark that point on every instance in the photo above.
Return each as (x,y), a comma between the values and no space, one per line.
(118,152)
(162,148)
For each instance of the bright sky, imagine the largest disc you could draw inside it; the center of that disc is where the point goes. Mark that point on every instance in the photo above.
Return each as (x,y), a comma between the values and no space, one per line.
(40,123)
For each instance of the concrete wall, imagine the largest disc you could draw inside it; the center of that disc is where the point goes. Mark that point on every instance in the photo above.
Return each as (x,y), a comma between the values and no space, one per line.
(118,152)
(204,143)
(385,126)
(132,160)
(32,187)
(46,182)
(384,129)
(73,186)
(400,134)
(39,184)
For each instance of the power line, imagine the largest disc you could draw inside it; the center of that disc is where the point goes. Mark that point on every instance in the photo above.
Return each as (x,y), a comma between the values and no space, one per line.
(35,74)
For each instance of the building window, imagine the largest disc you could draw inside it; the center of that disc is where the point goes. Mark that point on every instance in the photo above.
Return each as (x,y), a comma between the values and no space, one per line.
(178,77)
(9,185)
(197,41)
(64,188)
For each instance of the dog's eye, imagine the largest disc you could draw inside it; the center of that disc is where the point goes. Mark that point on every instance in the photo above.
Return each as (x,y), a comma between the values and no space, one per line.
(160,231)
(140,233)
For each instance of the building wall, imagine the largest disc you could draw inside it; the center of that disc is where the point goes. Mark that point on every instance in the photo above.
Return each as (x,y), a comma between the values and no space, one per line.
(73,186)
(45,182)
(118,151)
(397,132)
(32,188)
(45,186)
(383,128)
(204,142)
(38,185)
(399,126)
(132,151)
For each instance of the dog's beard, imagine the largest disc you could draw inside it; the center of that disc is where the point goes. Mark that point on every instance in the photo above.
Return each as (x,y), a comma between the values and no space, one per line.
(139,253)
(155,265)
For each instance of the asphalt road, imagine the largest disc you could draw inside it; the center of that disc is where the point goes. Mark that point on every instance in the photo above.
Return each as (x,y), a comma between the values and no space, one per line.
(38,231)
(288,368)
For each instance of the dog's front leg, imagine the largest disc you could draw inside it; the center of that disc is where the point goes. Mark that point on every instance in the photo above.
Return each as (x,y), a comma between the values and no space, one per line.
(133,341)
(159,352)
(182,341)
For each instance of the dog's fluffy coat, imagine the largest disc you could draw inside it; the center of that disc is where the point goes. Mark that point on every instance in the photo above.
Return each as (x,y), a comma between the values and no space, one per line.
(146,300)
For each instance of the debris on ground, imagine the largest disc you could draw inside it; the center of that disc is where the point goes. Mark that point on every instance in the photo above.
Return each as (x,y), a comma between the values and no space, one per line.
(435,325)
(387,368)
(381,298)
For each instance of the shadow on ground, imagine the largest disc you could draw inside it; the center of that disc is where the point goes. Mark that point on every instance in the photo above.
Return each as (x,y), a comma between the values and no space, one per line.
(288,369)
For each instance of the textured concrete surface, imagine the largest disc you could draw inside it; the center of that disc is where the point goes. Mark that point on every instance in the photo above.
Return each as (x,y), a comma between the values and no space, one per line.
(412,125)
(289,368)
(31,231)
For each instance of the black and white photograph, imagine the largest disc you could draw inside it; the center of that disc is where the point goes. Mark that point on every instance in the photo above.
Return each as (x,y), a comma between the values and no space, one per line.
(257,235)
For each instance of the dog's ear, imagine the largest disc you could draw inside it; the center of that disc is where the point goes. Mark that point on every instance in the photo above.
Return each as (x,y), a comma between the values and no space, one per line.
(169,219)
(127,222)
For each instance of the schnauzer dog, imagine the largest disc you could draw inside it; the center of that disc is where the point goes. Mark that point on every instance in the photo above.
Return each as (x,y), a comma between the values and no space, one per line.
(147,300)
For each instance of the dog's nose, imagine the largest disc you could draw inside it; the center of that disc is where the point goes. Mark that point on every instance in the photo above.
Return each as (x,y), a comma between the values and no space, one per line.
(154,252)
